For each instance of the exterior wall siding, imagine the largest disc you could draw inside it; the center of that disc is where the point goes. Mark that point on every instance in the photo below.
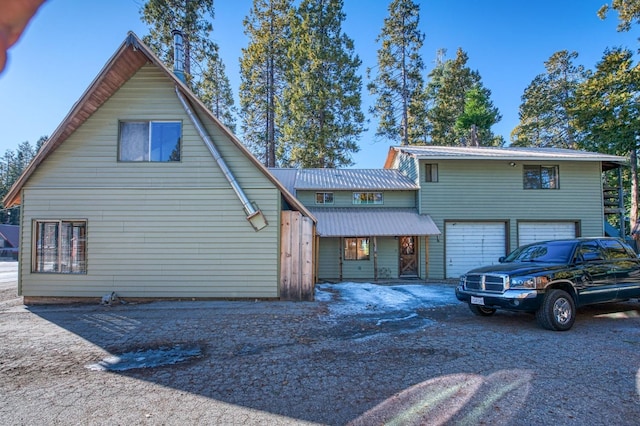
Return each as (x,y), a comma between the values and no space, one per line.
(493,191)
(329,261)
(154,229)
(397,199)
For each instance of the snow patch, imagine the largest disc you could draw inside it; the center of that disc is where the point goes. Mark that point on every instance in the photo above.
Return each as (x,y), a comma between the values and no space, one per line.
(361,298)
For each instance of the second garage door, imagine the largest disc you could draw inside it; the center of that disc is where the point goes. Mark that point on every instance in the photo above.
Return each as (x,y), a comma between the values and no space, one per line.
(530,232)
(472,244)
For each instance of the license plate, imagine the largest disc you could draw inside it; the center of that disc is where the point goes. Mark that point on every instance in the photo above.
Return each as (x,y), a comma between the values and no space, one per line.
(477,300)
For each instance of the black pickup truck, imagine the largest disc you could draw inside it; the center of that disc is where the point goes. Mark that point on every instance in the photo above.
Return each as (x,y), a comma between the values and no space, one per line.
(553,278)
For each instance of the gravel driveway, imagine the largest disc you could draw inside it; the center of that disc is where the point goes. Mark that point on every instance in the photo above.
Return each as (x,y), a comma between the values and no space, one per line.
(280,363)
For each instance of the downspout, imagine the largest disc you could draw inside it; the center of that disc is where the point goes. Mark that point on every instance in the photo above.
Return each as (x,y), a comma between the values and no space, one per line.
(254,216)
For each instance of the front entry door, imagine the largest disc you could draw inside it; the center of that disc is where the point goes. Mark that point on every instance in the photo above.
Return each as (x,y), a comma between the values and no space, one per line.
(408,256)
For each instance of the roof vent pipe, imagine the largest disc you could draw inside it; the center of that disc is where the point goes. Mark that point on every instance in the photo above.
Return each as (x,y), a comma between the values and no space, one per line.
(254,216)
(178,55)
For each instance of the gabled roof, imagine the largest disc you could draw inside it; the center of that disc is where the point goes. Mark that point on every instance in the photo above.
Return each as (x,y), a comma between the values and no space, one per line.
(11,233)
(345,179)
(125,62)
(500,153)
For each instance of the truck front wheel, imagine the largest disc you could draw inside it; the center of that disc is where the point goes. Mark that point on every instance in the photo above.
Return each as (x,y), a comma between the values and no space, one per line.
(558,311)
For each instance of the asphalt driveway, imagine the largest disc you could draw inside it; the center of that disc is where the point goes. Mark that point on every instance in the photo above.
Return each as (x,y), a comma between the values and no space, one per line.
(323,362)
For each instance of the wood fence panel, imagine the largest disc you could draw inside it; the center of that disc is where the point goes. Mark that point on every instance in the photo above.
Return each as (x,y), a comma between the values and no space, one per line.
(296,257)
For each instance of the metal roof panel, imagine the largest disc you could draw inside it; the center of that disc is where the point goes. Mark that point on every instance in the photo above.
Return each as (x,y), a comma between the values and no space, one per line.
(506,153)
(374,221)
(353,179)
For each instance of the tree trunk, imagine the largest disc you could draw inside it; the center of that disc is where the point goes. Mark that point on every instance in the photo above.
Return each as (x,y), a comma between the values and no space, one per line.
(633,209)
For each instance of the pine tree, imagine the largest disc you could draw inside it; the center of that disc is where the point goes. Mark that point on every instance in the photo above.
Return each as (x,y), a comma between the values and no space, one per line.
(628,12)
(214,90)
(398,83)
(474,124)
(322,117)
(201,60)
(606,109)
(12,164)
(446,95)
(262,67)
(544,119)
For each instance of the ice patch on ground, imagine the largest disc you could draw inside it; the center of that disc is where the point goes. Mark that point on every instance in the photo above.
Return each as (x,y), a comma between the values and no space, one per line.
(363,311)
(147,358)
(360,298)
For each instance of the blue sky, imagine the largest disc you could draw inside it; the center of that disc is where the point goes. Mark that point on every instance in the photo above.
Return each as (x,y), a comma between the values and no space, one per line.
(69,41)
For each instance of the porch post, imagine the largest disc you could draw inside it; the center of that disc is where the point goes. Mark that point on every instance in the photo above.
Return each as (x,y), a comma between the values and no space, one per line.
(375,258)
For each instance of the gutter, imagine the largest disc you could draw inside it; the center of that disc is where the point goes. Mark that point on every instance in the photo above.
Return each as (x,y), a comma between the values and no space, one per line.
(254,216)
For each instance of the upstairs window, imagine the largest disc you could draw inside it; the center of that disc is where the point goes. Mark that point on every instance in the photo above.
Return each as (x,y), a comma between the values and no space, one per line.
(367,198)
(356,248)
(324,197)
(540,177)
(157,141)
(430,172)
(60,246)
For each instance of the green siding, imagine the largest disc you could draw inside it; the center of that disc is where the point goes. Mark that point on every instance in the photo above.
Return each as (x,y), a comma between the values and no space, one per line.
(154,229)
(329,259)
(397,199)
(388,261)
(493,191)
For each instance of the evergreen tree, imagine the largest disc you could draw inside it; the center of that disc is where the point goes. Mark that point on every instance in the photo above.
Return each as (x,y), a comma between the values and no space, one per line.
(322,117)
(544,119)
(446,96)
(214,90)
(201,60)
(262,70)
(628,11)
(474,124)
(398,83)
(12,164)
(606,109)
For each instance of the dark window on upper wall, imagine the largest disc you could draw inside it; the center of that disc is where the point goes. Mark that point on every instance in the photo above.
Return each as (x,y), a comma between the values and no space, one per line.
(540,177)
(324,197)
(430,172)
(150,141)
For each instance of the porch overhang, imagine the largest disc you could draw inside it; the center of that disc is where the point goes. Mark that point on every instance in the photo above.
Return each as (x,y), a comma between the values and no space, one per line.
(373,221)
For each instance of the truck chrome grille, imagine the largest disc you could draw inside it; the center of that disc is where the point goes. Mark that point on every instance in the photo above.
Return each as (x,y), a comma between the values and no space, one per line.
(490,283)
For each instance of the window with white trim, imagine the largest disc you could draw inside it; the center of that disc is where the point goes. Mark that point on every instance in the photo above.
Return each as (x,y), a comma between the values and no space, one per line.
(150,141)
(367,198)
(60,246)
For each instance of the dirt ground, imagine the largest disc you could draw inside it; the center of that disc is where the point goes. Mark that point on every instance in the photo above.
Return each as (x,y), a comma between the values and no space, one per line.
(281,363)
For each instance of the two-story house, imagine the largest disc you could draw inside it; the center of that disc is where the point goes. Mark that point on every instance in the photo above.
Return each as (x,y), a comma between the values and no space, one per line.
(141,191)
(488,201)
(369,224)
(435,212)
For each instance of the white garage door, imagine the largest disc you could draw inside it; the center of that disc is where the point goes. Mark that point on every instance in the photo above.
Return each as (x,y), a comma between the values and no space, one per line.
(469,245)
(530,232)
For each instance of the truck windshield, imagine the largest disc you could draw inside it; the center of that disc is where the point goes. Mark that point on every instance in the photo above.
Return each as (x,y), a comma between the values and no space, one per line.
(548,252)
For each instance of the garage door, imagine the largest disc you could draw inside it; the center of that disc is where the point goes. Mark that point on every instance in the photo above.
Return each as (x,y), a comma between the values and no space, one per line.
(472,244)
(530,232)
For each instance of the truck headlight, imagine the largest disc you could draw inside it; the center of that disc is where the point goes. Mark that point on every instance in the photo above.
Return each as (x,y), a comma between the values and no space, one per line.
(527,282)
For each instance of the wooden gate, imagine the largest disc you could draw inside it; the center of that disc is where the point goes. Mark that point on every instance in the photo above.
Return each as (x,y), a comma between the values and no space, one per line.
(297,236)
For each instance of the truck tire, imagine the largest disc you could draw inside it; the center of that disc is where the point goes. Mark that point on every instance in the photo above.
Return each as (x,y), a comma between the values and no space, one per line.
(558,311)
